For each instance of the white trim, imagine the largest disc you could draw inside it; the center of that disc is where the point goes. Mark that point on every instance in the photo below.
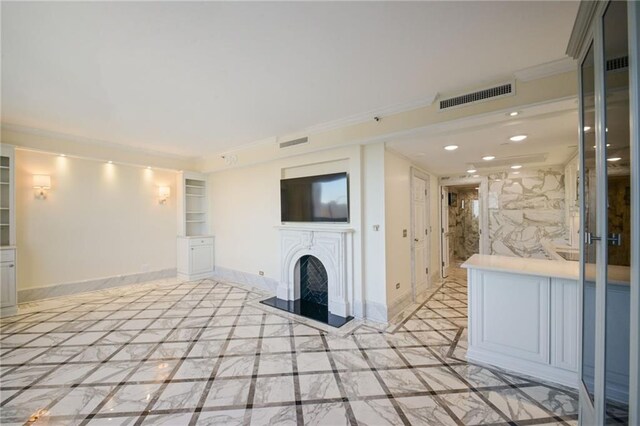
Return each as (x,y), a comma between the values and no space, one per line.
(548,69)
(521,366)
(633,11)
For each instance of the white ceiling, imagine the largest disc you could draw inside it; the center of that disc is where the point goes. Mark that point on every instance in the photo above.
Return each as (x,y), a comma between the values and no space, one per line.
(552,138)
(198,78)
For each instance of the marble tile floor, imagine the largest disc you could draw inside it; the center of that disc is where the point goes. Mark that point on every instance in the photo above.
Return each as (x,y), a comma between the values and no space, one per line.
(204,352)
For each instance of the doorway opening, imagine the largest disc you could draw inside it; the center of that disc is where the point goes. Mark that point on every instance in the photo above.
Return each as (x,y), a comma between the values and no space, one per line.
(461,220)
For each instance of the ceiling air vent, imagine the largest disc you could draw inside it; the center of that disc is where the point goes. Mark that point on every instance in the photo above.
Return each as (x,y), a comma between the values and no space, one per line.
(294,142)
(618,63)
(500,91)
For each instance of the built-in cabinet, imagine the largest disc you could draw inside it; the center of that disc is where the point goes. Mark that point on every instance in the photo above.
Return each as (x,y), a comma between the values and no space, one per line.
(8,255)
(195,244)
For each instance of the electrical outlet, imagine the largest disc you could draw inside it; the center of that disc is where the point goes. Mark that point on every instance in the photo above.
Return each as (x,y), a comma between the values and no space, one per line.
(404,233)
(261,273)
(397,286)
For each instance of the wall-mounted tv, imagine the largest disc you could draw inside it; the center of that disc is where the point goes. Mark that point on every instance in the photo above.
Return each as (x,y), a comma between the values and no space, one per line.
(323,198)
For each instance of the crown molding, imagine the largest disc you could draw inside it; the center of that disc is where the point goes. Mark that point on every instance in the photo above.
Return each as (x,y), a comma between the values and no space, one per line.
(548,69)
(336,124)
(89,141)
(369,115)
(587,11)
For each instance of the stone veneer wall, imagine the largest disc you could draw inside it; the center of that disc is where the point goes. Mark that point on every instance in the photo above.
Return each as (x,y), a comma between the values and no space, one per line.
(525,210)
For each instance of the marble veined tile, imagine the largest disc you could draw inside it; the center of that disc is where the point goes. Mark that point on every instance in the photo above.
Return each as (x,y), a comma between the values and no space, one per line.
(272,416)
(472,410)
(179,395)
(402,381)
(228,393)
(226,417)
(361,383)
(275,364)
(424,410)
(515,405)
(313,361)
(559,402)
(274,389)
(376,412)
(130,398)
(333,414)
(80,401)
(318,386)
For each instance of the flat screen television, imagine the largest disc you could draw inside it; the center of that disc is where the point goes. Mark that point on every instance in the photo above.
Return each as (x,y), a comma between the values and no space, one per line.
(323,198)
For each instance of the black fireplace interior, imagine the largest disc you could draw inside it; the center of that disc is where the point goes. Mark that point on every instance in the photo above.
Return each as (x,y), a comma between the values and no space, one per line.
(314,297)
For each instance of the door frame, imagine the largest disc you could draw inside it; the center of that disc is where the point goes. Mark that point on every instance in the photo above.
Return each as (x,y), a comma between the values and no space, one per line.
(418,174)
(633,17)
(483,198)
(588,29)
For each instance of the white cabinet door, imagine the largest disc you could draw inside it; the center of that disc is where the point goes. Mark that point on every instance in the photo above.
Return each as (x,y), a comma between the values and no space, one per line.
(7,284)
(201,259)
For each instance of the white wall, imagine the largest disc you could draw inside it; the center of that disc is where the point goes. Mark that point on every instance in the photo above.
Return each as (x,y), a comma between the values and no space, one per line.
(397,190)
(374,241)
(245,210)
(99,220)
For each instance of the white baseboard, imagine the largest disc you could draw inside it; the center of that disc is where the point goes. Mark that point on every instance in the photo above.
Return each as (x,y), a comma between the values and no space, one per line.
(246,278)
(57,290)
(401,303)
(544,372)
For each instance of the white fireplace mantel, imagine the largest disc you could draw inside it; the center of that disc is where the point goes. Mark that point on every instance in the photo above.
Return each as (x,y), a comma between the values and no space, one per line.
(333,246)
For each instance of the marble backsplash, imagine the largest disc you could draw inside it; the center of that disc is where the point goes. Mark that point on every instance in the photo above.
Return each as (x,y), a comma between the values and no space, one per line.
(526,210)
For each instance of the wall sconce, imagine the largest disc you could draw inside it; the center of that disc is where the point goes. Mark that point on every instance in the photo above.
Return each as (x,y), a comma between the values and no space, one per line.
(41,183)
(163,193)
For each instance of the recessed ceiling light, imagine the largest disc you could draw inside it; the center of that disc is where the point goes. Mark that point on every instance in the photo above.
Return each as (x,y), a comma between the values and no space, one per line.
(608,145)
(513,113)
(62,155)
(471,171)
(476,176)
(517,138)
(516,166)
(451,147)
(488,157)
(148,167)
(515,173)
(587,128)
(109,162)
(612,159)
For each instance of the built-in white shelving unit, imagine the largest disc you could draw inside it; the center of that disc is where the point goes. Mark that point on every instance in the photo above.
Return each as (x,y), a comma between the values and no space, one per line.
(8,256)
(195,243)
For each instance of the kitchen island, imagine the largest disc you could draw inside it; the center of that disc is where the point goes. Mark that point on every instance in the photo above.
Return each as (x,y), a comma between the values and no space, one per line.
(524,316)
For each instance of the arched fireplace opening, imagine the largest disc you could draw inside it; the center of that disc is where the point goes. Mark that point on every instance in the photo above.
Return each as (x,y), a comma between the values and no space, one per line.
(313,284)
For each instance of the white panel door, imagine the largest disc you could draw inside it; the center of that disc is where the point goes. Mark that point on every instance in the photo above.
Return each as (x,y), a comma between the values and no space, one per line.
(420,232)
(444,231)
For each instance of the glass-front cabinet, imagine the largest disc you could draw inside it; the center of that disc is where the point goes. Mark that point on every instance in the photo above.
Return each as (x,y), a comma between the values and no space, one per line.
(605,43)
